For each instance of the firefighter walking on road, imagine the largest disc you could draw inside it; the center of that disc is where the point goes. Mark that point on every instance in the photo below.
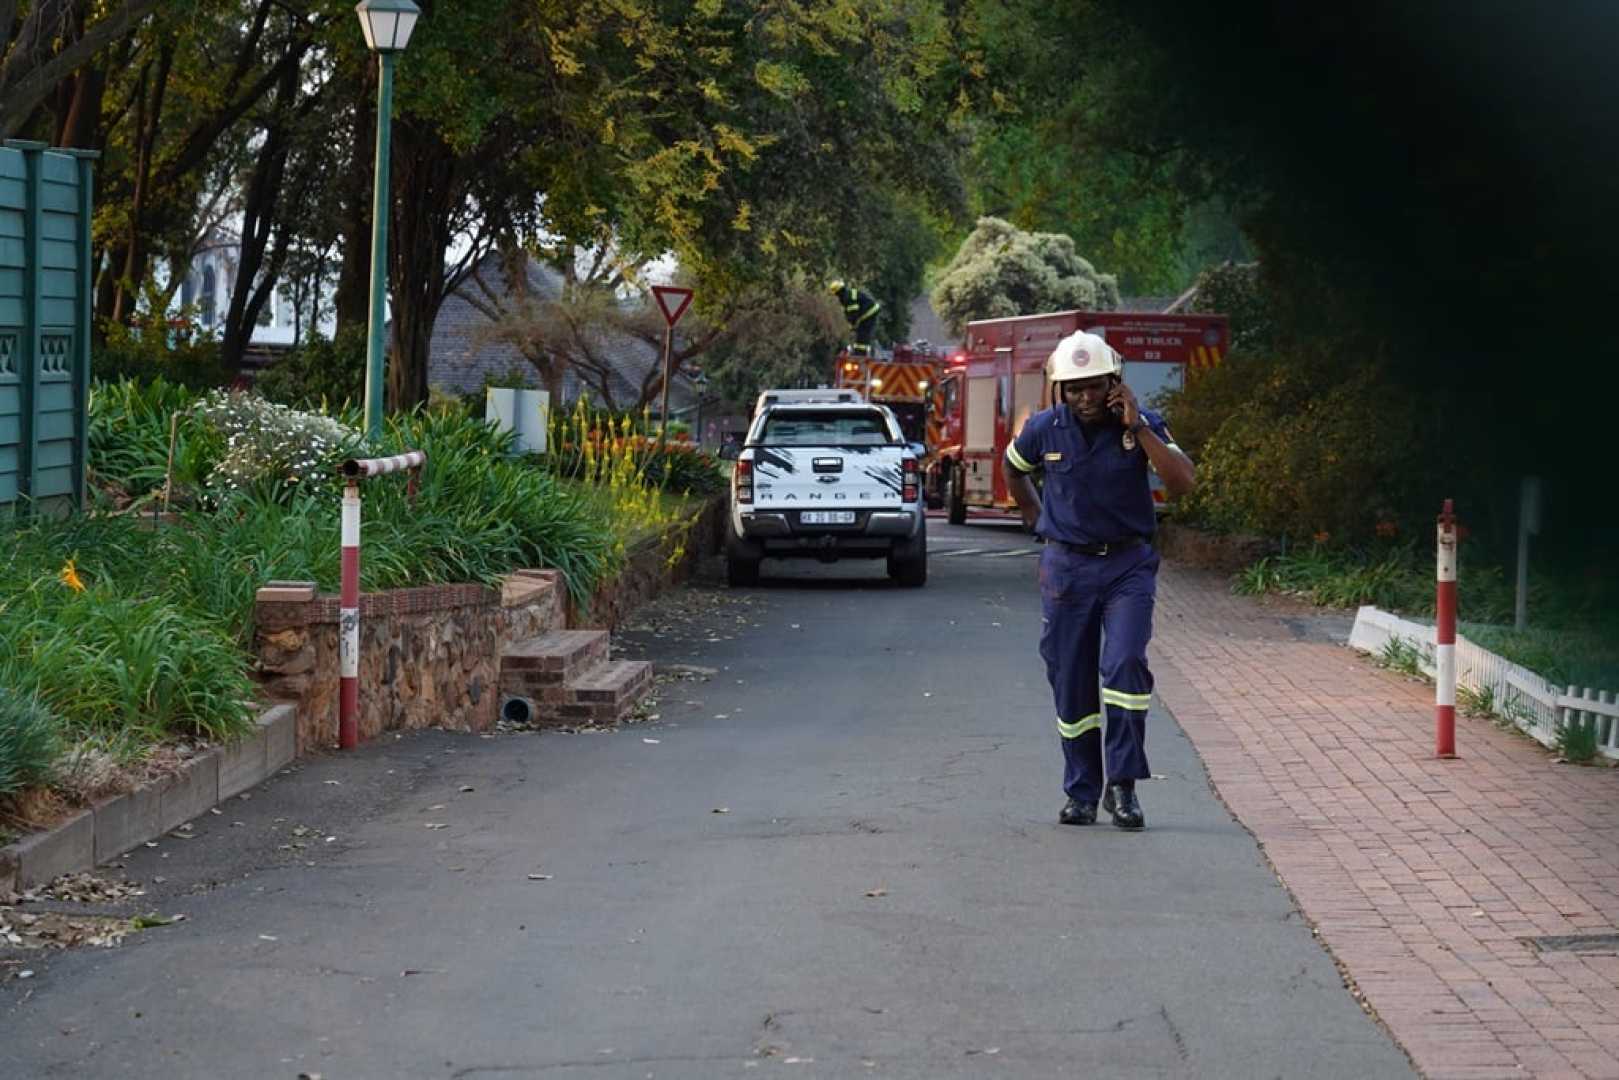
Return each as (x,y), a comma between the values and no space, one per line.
(860,308)
(1098,569)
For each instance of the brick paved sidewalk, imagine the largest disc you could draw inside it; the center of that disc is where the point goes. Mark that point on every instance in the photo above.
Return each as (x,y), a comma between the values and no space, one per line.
(1424,877)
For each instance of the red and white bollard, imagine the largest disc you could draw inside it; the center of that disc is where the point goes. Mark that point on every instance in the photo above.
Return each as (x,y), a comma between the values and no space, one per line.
(1445,638)
(348,640)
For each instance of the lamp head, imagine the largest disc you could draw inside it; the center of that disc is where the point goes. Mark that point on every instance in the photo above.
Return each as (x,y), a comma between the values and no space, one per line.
(387,23)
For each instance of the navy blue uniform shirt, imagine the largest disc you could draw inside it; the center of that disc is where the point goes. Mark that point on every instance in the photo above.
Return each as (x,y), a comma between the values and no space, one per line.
(1096,490)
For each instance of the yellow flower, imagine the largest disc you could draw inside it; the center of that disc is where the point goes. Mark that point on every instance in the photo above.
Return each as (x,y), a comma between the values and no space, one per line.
(70,577)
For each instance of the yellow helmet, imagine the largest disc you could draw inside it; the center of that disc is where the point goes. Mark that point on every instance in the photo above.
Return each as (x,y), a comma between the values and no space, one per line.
(836,286)
(1081,355)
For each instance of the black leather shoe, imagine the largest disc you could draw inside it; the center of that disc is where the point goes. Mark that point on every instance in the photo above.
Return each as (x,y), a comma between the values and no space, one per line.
(1120,801)
(1075,812)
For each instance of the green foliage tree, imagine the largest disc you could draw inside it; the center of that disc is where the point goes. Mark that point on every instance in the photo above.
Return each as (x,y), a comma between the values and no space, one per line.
(1000,270)
(47,42)
(1046,151)
(320,373)
(1238,291)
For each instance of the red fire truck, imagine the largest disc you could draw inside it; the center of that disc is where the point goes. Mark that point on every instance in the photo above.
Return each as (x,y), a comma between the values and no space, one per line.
(985,395)
(904,381)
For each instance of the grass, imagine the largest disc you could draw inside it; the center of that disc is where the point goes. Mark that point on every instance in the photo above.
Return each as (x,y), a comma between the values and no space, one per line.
(1576,639)
(29,742)
(1577,743)
(1404,656)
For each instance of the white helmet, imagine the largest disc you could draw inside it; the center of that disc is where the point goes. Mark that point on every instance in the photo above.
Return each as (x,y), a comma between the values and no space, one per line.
(1081,355)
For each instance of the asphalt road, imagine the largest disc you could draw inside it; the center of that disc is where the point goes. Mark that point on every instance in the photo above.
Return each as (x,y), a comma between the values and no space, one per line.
(833,852)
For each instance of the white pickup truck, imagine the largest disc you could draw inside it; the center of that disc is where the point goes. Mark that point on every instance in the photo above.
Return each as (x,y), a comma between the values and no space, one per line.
(825,475)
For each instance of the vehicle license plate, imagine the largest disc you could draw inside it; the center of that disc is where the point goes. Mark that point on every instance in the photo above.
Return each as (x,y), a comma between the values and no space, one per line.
(827,517)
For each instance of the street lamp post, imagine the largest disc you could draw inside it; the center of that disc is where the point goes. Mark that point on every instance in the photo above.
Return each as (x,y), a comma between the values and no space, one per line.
(387,25)
(700,383)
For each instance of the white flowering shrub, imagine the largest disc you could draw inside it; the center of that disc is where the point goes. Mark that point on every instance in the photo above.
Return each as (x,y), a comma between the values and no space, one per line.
(271,449)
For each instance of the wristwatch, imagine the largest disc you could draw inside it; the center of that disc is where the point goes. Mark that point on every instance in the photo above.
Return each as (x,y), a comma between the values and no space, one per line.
(1135,428)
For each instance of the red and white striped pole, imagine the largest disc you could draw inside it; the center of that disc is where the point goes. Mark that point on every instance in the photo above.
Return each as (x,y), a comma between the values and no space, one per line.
(348,622)
(1445,638)
(348,640)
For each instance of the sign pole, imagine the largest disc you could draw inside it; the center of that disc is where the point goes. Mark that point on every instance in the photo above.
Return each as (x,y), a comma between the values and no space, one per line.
(672,301)
(1445,637)
(663,409)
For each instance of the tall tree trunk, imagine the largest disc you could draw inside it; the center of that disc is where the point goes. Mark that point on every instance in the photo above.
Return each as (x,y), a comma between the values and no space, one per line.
(77,105)
(267,183)
(428,180)
(129,259)
(252,287)
(351,303)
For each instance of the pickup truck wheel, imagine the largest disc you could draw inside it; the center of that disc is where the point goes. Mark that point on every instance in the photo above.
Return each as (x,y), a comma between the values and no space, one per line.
(911,573)
(908,563)
(958,498)
(741,573)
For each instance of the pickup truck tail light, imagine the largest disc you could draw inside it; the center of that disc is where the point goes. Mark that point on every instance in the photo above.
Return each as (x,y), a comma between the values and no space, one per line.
(742,481)
(910,491)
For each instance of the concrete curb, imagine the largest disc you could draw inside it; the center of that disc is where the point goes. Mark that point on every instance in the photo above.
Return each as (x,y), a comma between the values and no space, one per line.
(112,827)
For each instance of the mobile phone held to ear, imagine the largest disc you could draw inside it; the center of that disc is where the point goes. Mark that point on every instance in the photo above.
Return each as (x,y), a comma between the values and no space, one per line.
(1115,407)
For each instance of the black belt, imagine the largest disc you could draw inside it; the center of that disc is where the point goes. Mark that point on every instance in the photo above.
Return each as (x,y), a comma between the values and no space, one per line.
(1101,549)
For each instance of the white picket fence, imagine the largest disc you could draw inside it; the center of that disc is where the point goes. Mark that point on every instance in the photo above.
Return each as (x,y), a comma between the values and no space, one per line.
(1515,693)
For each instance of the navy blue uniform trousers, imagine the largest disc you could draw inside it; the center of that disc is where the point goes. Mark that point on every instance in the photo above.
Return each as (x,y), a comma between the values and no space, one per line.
(1097,615)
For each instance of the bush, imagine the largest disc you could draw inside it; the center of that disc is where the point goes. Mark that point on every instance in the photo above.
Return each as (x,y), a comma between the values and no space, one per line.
(175,350)
(129,429)
(1301,446)
(271,449)
(325,374)
(28,742)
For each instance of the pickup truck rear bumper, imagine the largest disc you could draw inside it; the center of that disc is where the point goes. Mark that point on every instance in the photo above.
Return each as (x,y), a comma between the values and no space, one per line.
(779,534)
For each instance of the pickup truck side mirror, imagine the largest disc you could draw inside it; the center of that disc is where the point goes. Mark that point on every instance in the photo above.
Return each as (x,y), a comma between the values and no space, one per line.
(919,449)
(730,451)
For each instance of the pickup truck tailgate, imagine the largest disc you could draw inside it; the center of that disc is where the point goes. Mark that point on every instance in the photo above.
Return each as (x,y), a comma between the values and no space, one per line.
(811,478)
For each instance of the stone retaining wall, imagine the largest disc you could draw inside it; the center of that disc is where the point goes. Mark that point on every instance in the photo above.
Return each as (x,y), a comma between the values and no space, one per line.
(655,564)
(429,657)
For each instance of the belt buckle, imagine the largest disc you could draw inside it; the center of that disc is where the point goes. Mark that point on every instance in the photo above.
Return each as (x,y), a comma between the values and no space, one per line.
(1101,549)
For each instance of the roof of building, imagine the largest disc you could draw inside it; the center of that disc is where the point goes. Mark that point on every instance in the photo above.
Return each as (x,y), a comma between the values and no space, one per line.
(1155,304)
(465,352)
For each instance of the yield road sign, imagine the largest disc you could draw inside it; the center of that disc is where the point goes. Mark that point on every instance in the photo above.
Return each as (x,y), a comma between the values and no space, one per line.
(672,300)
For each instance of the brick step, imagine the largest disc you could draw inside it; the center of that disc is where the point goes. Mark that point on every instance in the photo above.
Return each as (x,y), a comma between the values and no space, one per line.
(605,694)
(535,665)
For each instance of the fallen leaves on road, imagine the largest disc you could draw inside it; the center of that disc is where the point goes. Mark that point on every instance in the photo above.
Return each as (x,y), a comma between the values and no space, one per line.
(85,889)
(720,810)
(877,892)
(54,930)
(437,825)
(539,877)
(652,742)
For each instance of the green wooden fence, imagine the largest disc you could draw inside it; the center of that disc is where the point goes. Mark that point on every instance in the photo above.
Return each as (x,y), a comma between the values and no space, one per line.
(45,296)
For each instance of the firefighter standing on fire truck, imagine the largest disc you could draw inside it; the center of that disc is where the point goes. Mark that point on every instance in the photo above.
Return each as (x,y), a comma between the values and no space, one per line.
(1098,571)
(860,309)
